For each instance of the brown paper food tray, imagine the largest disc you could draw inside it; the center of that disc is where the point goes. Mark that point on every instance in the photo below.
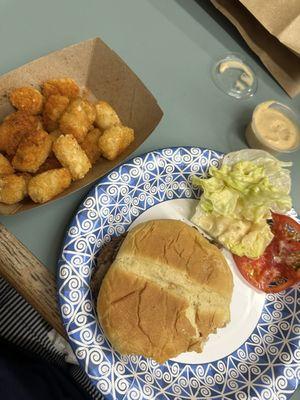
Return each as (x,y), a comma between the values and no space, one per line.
(282,63)
(104,75)
(280,17)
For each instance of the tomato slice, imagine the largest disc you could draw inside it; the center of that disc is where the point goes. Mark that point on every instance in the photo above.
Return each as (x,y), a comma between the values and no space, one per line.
(279,267)
(286,228)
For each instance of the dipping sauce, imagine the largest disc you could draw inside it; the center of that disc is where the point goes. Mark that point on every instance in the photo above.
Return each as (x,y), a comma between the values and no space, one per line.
(273,127)
(246,76)
(234,76)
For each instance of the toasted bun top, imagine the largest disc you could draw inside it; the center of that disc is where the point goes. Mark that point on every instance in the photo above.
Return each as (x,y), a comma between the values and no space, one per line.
(166,291)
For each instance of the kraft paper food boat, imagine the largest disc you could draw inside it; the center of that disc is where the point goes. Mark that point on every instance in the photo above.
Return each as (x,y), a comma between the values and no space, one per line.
(102,74)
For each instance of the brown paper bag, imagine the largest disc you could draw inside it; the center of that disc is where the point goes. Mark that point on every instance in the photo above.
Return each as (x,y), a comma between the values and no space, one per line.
(282,63)
(103,75)
(280,17)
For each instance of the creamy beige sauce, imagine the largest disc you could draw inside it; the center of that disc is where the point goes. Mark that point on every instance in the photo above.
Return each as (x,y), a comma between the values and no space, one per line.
(274,127)
(247,76)
(239,85)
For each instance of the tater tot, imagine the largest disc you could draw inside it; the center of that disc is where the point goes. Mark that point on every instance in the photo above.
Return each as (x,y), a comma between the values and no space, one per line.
(45,186)
(90,111)
(27,99)
(90,145)
(26,177)
(40,124)
(89,108)
(54,135)
(115,140)
(49,125)
(32,151)
(75,120)
(71,156)
(54,108)
(14,128)
(5,166)
(63,86)
(106,116)
(12,189)
(51,163)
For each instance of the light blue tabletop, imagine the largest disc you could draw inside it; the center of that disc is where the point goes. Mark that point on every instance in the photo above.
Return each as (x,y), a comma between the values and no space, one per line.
(171,45)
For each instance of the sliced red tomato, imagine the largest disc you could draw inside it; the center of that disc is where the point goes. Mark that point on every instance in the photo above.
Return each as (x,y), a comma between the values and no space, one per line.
(286,228)
(279,267)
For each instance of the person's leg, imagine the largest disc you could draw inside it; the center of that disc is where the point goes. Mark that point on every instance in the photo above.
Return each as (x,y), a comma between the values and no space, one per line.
(24,375)
(23,328)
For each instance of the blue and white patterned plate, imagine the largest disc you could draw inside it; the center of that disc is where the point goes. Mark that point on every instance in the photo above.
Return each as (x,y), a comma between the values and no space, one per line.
(257,356)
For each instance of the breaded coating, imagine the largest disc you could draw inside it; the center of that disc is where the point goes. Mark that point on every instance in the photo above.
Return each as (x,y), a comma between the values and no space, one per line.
(32,151)
(49,125)
(63,86)
(55,135)
(70,155)
(51,163)
(14,128)
(87,106)
(54,108)
(12,189)
(43,187)
(27,99)
(90,111)
(114,141)
(26,177)
(75,120)
(106,116)
(90,145)
(5,166)
(40,125)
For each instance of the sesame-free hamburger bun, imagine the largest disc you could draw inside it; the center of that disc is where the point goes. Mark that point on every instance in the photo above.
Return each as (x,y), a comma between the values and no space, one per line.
(166,291)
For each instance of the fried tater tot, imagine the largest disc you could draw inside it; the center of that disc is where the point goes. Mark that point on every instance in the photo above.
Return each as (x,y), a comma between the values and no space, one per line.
(43,187)
(40,125)
(75,120)
(71,156)
(32,151)
(90,111)
(49,125)
(14,128)
(27,99)
(5,166)
(12,189)
(51,163)
(115,140)
(63,86)
(55,135)
(90,145)
(87,106)
(54,108)
(106,117)
(26,177)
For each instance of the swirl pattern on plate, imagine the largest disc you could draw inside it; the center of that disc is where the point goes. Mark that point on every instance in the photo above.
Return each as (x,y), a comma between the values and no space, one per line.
(266,366)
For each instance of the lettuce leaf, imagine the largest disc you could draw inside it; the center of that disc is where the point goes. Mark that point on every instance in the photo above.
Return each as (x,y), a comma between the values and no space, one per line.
(241,194)
(275,170)
(241,237)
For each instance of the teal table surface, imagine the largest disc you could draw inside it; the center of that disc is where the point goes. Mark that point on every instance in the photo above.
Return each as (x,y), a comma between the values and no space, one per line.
(171,45)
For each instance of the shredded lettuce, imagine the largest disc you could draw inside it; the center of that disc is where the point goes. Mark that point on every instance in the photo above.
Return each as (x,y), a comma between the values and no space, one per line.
(275,170)
(237,200)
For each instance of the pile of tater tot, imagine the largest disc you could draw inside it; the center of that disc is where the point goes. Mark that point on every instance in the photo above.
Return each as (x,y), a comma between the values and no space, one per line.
(53,138)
